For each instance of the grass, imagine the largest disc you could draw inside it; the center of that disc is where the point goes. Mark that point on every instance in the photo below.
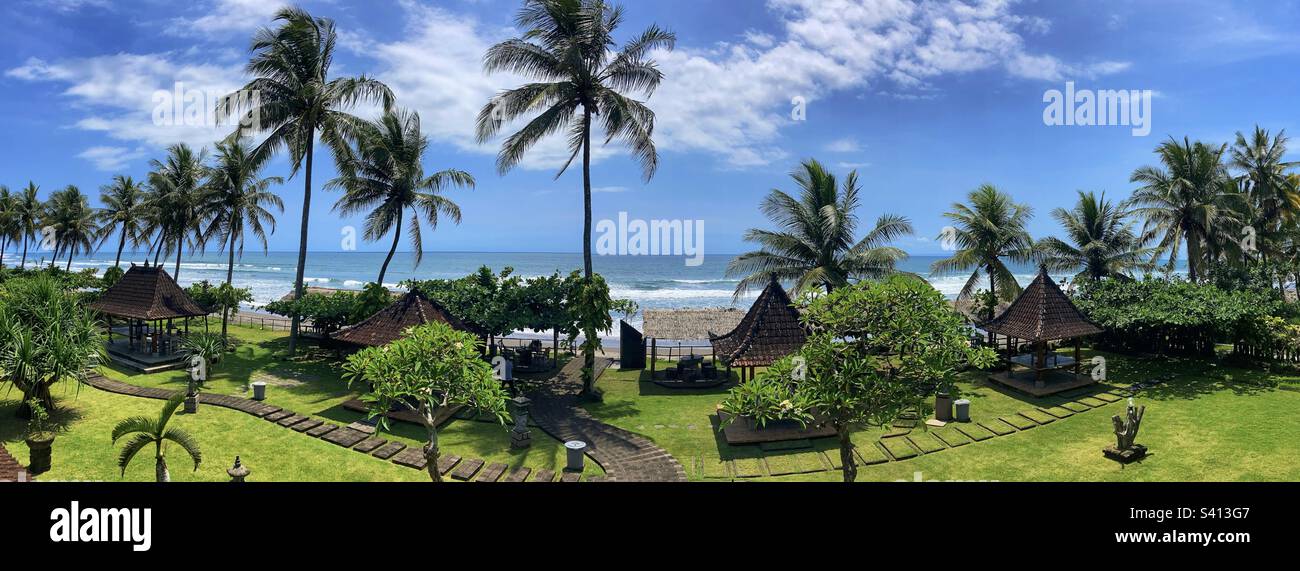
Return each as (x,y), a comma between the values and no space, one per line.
(1211,422)
(316,390)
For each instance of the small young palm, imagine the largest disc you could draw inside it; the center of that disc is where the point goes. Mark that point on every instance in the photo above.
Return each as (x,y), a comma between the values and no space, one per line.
(148,431)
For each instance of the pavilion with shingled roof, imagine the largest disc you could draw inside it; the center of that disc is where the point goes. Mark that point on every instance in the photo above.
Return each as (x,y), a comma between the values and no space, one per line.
(148,300)
(1041,315)
(390,323)
(769,331)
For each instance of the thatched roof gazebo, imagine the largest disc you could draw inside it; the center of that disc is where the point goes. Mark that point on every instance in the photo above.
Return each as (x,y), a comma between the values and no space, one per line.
(770,330)
(147,294)
(390,323)
(1040,315)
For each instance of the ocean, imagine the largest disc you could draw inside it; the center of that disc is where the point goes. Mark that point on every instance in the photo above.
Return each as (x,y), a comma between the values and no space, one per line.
(654,282)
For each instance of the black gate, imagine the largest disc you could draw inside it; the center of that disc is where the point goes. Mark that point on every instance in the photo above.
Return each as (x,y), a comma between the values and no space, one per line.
(631,347)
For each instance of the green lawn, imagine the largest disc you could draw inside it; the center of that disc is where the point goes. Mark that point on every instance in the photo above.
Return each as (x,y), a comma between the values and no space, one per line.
(1211,422)
(315,388)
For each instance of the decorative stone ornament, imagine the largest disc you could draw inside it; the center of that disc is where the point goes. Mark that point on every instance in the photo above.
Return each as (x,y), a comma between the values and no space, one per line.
(238,472)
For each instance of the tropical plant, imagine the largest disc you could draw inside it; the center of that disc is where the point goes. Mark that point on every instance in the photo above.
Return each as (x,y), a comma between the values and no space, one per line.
(433,366)
(297,101)
(234,203)
(1187,201)
(1101,240)
(8,221)
(814,245)
(175,201)
(327,311)
(39,422)
(1265,175)
(877,348)
(145,431)
(385,178)
(568,47)
(208,346)
(123,213)
(45,337)
(589,307)
(984,232)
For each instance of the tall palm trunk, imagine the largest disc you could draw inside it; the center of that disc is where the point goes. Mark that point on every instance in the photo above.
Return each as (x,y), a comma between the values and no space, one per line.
(230,277)
(397,235)
(160,467)
(588,355)
(176,275)
(302,243)
(68,268)
(24,262)
(4,245)
(993,295)
(121,243)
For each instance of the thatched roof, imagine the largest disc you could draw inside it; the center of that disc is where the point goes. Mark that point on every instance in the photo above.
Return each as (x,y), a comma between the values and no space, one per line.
(390,323)
(148,293)
(770,330)
(1042,312)
(689,324)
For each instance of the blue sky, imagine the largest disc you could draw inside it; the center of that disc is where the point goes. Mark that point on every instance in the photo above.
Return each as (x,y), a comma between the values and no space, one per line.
(926,100)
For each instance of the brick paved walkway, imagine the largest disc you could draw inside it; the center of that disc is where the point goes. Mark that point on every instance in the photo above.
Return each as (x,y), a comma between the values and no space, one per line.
(625,456)
(356,436)
(10,468)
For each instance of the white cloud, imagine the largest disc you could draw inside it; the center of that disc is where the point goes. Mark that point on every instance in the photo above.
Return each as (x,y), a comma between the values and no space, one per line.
(111,158)
(225,17)
(844,145)
(71,5)
(610,189)
(117,95)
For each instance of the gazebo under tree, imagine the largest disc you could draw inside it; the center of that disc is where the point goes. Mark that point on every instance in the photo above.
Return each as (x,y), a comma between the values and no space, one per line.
(148,300)
(1040,315)
(390,323)
(769,331)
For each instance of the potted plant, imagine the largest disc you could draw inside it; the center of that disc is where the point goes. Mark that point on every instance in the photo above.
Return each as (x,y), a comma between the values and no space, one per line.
(39,439)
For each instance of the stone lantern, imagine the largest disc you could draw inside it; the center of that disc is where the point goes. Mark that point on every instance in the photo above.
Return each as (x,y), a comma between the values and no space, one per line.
(238,472)
(521,435)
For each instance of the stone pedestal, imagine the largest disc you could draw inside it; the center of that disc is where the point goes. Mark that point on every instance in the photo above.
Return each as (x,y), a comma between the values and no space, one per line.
(191,404)
(1136,452)
(520,435)
(576,450)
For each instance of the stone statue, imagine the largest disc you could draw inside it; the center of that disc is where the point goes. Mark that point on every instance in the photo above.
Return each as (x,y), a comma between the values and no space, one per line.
(1126,430)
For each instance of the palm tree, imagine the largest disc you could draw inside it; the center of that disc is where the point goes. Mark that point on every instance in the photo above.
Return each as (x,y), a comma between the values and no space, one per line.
(146,431)
(1186,201)
(1264,174)
(235,201)
(176,184)
(74,223)
(814,244)
(8,221)
(298,101)
(1101,240)
(28,210)
(990,228)
(568,47)
(123,214)
(386,178)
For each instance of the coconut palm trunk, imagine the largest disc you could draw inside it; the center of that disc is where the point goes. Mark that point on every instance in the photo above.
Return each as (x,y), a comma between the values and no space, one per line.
(588,354)
(117,261)
(397,236)
(160,467)
(230,277)
(296,320)
(24,262)
(176,275)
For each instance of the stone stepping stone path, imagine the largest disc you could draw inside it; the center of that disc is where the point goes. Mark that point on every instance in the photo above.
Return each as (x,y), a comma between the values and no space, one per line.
(998,427)
(925,442)
(1020,422)
(1076,407)
(388,450)
(491,473)
(358,436)
(1058,412)
(1108,397)
(974,431)
(1038,416)
(898,448)
(1092,402)
(951,437)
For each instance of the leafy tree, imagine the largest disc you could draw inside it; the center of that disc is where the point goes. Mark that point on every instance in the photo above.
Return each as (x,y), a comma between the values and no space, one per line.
(432,366)
(372,298)
(234,202)
(124,214)
(385,178)
(568,46)
(74,223)
(1101,240)
(112,276)
(486,299)
(589,308)
(876,349)
(327,311)
(45,337)
(814,245)
(990,228)
(1186,201)
(298,101)
(145,431)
